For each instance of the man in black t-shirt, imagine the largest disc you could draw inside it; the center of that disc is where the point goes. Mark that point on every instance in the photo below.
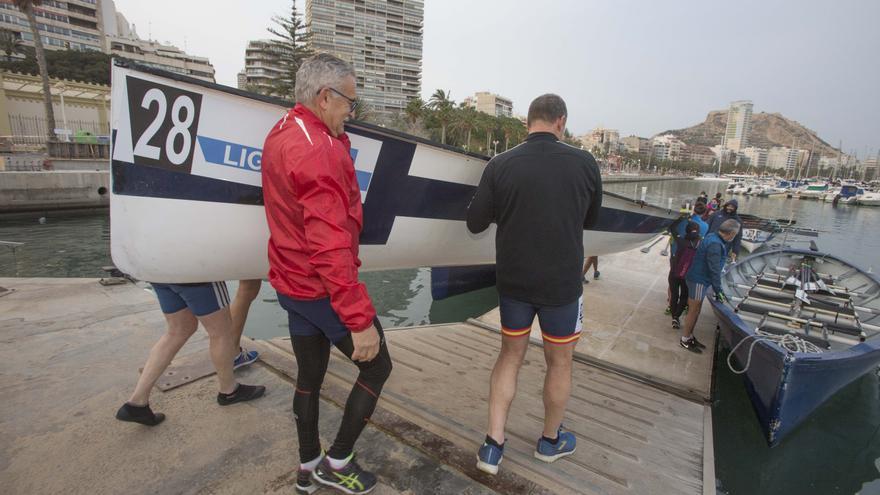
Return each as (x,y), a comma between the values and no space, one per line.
(541,194)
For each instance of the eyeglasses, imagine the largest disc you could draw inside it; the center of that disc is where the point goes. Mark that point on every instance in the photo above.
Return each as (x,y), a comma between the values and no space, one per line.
(352,102)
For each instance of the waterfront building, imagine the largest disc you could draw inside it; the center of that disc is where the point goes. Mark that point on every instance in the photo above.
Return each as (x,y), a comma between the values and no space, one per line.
(871,168)
(757,157)
(739,125)
(96,25)
(161,56)
(667,147)
(636,144)
(783,157)
(260,67)
(490,103)
(121,40)
(383,41)
(698,154)
(74,25)
(600,138)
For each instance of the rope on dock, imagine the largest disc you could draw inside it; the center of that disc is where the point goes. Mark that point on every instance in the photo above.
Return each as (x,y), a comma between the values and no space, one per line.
(789,342)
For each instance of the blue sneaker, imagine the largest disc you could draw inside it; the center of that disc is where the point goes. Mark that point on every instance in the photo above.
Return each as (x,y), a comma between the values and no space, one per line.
(489,457)
(244,358)
(565,445)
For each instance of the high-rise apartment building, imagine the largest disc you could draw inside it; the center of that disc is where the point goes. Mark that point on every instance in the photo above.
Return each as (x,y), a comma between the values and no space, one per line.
(383,41)
(260,67)
(739,124)
(73,24)
(96,25)
(490,103)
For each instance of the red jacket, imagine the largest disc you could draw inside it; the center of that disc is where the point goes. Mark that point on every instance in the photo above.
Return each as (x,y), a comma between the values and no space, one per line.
(313,208)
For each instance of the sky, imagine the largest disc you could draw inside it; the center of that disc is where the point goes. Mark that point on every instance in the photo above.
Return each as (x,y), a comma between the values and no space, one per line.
(639,66)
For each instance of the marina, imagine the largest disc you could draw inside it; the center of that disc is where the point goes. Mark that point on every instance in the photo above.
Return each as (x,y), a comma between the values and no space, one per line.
(315,211)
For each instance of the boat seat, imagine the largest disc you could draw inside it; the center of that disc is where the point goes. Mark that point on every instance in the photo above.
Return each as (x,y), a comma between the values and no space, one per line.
(841,293)
(834,327)
(844,329)
(786,296)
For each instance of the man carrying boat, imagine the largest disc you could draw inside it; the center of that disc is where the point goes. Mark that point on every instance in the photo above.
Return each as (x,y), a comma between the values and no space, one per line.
(542,195)
(313,208)
(184,307)
(705,273)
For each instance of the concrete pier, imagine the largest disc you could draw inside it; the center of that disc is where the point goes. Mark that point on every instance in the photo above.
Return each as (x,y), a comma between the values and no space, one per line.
(70,351)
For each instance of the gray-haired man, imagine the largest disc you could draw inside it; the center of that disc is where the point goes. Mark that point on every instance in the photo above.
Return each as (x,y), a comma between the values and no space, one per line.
(313,208)
(705,272)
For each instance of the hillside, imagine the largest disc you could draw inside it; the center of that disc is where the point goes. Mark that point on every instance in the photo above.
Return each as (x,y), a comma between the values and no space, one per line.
(768,130)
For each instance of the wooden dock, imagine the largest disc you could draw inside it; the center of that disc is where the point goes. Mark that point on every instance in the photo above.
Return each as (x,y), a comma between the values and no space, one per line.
(626,331)
(70,349)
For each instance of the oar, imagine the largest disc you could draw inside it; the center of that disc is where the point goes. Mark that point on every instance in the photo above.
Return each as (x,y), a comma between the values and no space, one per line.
(648,247)
(665,251)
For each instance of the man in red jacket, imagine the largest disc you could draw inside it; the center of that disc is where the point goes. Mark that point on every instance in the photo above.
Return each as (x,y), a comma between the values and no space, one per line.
(313,208)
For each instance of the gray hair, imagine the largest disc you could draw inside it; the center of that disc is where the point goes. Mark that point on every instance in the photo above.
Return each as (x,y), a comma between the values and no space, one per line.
(547,108)
(729,226)
(318,72)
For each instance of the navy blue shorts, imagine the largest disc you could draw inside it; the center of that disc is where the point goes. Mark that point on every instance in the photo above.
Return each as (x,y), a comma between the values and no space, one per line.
(201,299)
(306,318)
(559,324)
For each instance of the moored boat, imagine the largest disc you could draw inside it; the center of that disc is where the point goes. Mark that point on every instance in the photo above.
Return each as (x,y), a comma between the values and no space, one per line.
(869,198)
(801,325)
(813,191)
(753,239)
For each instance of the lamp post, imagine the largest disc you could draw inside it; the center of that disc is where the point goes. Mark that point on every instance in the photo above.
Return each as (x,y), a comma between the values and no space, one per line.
(494,147)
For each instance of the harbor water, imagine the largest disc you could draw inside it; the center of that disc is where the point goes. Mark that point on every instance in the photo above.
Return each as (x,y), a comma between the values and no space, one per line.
(837,450)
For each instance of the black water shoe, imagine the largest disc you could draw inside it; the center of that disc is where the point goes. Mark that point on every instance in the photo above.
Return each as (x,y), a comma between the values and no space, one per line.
(242,393)
(139,414)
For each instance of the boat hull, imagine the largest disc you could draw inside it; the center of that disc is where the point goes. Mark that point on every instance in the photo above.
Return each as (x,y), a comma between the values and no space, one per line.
(786,387)
(182,218)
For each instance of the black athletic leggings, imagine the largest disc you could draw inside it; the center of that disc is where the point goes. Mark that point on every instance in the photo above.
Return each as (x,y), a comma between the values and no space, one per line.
(312,355)
(678,296)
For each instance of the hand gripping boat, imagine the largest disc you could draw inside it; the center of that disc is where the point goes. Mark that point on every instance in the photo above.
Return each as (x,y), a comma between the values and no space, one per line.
(186,200)
(802,325)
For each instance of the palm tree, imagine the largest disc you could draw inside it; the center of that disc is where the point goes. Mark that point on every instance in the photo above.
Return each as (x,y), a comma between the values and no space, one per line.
(27,7)
(9,43)
(440,99)
(513,130)
(441,105)
(489,123)
(414,110)
(415,107)
(466,120)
